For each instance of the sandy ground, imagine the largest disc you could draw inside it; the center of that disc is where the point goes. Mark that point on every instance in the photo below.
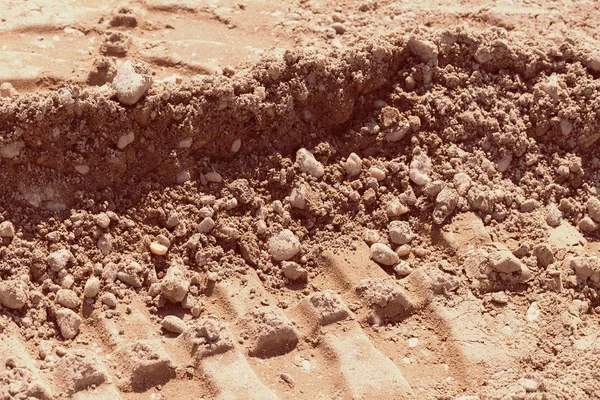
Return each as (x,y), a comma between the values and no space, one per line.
(299,200)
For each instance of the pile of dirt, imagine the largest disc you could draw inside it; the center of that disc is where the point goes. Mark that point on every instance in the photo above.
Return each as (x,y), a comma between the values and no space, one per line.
(466,160)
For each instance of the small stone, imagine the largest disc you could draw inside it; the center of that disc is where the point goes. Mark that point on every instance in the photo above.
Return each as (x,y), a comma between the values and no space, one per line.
(396,134)
(403,269)
(593,206)
(13,294)
(594,61)
(105,244)
(172,323)
(445,204)
(293,271)
(7,229)
(102,220)
(377,173)
(58,259)
(371,236)
(566,127)
(184,176)
(82,169)
(529,385)
(396,208)
(533,312)
(500,298)
(158,249)
(92,287)
(587,225)
(173,220)
(132,82)
(544,255)
(68,323)
(175,285)
(67,298)
(206,225)
(242,191)
(213,177)
(554,216)
(424,49)
(339,28)
(109,299)
(413,342)
(353,165)
(287,378)
(309,164)
(420,167)
(529,205)
(284,245)
(382,254)
(236,145)
(404,250)
(400,232)
(8,90)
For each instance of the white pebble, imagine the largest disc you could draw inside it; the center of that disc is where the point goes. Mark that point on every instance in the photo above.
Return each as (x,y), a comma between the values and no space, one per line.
(82,169)
(554,216)
(184,176)
(420,167)
(400,232)
(92,287)
(206,225)
(185,143)
(109,299)
(261,227)
(309,164)
(377,173)
(58,259)
(67,298)
(413,342)
(533,312)
(7,229)
(158,249)
(399,132)
(284,245)
(382,254)
(172,323)
(566,127)
(175,285)
(125,140)
(68,323)
(129,84)
(236,145)
(353,165)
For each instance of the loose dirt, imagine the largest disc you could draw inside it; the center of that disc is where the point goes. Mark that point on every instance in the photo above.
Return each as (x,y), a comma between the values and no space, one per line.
(406,207)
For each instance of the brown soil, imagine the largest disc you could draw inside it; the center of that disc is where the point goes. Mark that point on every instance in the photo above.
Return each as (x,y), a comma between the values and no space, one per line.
(299,200)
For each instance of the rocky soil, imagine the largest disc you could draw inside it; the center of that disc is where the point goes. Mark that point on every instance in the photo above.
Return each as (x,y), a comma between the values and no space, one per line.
(396,201)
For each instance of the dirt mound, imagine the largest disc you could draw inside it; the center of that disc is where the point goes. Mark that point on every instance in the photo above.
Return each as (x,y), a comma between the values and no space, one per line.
(415,216)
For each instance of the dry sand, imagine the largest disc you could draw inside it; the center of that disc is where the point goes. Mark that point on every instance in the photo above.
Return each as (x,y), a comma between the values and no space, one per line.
(299,200)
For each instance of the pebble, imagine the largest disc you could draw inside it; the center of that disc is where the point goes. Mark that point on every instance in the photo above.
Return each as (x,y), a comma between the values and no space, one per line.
(58,259)
(533,312)
(383,255)
(7,229)
(92,287)
(424,49)
(529,385)
(413,342)
(242,190)
(500,298)
(102,220)
(529,205)
(175,285)
(184,176)
(404,250)
(129,84)
(396,208)
(420,167)
(339,28)
(593,207)
(594,61)
(377,173)
(206,225)
(13,294)
(67,298)
(445,204)
(403,269)
(236,145)
(353,165)
(293,271)
(587,225)
(371,236)
(173,324)
(68,323)
(213,177)
(7,90)
(399,132)
(554,216)
(309,164)
(284,245)
(109,299)
(158,249)
(400,232)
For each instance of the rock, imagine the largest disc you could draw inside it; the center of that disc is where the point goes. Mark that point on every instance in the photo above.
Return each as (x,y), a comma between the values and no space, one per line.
(78,371)
(395,208)
(397,133)
(424,49)
(533,312)
(377,173)
(309,164)
(353,165)
(132,82)
(206,225)
(58,259)
(67,298)
(131,273)
(8,90)
(105,244)
(529,385)
(544,255)
(175,285)
(594,60)
(420,167)
(13,294)
(206,337)
(158,249)
(587,225)
(284,245)
(92,287)
(102,220)
(242,191)
(593,206)
(529,205)
(403,269)
(68,323)
(339,28)
(382,254)
(462,183)
(504,261)
(7,229)
(293,271)
(445,204)
(109,299)
(500,298)
(213,177)
(172,323)
(404,250)
(554,216)
(400,232)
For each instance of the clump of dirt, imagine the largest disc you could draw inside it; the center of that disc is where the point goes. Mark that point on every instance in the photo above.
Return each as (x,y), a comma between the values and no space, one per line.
(387,142)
